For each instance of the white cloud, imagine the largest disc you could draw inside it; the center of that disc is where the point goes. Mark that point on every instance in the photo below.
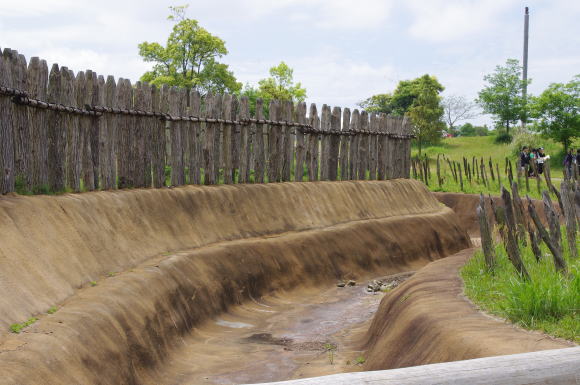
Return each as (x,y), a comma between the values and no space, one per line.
(448,20)
(329,77)
(325,14)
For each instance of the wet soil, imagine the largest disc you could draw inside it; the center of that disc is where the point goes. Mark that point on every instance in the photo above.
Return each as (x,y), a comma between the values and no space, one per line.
(287,335)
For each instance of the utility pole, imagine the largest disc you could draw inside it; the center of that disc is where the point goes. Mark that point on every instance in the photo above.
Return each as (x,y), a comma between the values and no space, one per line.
(525,69)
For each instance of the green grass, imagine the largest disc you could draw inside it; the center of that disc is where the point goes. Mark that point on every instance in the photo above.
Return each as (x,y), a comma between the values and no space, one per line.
(17,328)
(455,149)
(484,146)
(52,310)
(549,301)
(493,188)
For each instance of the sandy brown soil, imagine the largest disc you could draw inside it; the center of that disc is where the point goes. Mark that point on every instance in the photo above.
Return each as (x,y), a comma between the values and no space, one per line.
(181,257)
(429,320)
(281,336)
(464,206)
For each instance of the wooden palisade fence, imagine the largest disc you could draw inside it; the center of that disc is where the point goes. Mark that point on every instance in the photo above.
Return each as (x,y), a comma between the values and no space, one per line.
(60,131)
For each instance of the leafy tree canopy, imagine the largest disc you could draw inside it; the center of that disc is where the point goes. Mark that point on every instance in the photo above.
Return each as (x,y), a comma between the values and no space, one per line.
(189,58)
(469,129)
(502,94)
(419,99)
(280,85)
(425,110)
(378,103)
(557,111)
(402,98)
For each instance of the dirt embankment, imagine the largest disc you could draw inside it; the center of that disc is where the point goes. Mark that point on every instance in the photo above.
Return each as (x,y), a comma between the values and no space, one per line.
(429,320)
(162,261)
(465,205)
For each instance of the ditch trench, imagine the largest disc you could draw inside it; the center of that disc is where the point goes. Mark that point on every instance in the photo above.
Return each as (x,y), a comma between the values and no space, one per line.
(287,335)
(302,333)
(216,285)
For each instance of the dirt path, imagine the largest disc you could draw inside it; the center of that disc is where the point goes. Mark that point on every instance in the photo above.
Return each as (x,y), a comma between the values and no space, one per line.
(278,337)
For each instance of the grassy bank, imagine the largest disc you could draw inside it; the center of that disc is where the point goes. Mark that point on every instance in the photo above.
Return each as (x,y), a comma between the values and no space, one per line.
(484,146)
(549,301)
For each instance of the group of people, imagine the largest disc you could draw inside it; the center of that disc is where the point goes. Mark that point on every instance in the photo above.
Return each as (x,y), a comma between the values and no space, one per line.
(532,160)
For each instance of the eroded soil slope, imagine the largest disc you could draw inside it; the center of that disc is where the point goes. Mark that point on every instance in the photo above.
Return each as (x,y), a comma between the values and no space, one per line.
(133,273)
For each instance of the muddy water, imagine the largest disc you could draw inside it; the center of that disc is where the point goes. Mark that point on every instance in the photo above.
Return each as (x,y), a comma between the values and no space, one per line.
(278,337)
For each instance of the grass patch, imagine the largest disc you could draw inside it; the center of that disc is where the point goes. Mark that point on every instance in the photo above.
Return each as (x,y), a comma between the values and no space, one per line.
(52,310)
(549,301)
(17,328)
(484,146)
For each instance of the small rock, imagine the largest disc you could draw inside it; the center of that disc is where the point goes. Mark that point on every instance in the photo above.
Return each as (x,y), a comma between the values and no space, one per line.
(341,284)
(374,286)
(351,283)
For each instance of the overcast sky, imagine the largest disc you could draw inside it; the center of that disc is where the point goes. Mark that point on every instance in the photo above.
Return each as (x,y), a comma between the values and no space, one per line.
(341,50)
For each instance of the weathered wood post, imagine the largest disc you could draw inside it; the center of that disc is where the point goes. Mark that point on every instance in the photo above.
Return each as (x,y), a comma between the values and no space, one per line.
(313,147)
(569,216)
(208,153)
(512,248)
(7,178)
(345,140)
(260,151)
(195,139)
(288,142)
(559,262)
(247,141)
(159,100)
(37,83)
(56,134)
(553,221)
(486,237)
(373,145)
(353,152)
(460,176)
(363,146)
(334,143)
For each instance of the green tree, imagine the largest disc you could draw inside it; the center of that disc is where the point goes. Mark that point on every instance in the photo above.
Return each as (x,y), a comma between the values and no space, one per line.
(467,130)
(280,85)
(557,111)
(481,130)
(419,99)
(189,58)
(425,110)
(502,94)
(378,103)
(402,98)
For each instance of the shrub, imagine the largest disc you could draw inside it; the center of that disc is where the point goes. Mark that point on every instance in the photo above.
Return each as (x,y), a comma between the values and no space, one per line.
(525,139)
(503,138)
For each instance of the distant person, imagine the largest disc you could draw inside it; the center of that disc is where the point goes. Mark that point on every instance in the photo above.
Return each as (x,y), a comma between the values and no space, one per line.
(569,160)
(578,157)
(542,158)
(524,160)
(533,162)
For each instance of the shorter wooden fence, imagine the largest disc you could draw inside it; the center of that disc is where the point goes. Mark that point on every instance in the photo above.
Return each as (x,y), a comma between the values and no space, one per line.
(61,132)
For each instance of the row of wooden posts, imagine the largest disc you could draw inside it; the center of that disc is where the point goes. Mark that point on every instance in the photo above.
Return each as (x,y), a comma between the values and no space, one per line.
(518,222)
(60,131)
(483,172)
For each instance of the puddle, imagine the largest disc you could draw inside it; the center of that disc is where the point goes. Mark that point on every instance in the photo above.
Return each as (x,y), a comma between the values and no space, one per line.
(234,325)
